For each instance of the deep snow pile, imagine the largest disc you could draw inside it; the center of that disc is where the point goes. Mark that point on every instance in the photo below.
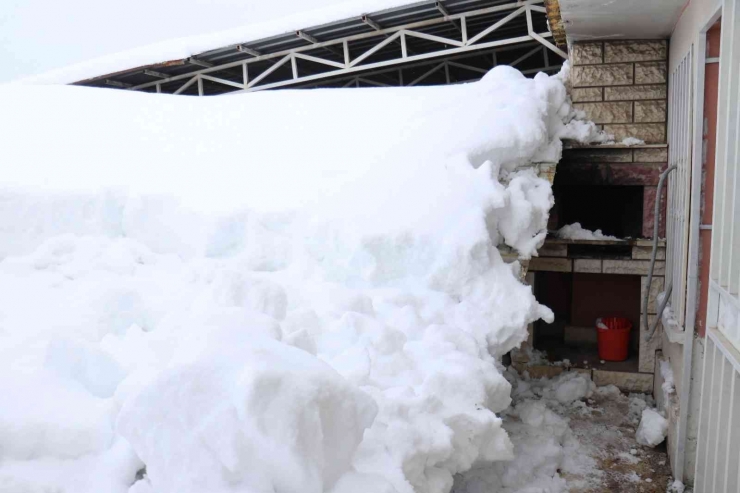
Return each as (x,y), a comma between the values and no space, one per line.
(287,291)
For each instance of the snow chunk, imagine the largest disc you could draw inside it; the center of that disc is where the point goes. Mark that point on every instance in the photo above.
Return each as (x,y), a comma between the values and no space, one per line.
(576,232)
(653,428)
(246,411)
(47,416)
(666,372)
(610,390)
(676,487)
(637,404)
(632,141)
(570,387)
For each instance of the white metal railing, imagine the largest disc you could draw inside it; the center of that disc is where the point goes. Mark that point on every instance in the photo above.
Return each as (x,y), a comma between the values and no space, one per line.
(680,97)
(718,442)
(725,252)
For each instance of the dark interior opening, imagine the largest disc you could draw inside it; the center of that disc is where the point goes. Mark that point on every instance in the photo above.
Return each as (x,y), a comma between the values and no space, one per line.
(577,300)
(615,210)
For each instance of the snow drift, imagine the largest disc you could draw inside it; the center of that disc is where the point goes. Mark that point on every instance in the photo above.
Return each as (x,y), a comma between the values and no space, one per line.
(281,291)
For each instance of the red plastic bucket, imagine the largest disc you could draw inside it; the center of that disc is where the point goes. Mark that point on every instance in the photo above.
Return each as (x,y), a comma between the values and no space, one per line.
(614,338)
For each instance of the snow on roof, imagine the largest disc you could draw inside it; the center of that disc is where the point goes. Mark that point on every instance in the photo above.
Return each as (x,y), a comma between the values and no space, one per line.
(181,48)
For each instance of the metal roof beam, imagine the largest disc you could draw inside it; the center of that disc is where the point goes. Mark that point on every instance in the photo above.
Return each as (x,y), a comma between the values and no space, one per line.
(517,32)
(195,61)
(539,38)
(450,61)
(441,7)
(186,85)
(307,37)
(248,50)
(154,73)
(115,83)
(402,42)
(387,63)
(443,10)
(367,20)
(536,49)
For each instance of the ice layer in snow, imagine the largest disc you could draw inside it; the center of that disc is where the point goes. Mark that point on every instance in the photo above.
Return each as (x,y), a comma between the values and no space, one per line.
(576,232)
(286,291)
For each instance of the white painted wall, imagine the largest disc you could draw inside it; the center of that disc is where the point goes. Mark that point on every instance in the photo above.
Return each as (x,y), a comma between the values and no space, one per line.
(694,17)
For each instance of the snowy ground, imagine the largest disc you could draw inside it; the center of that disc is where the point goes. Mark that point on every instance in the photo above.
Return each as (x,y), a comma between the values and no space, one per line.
(570,436)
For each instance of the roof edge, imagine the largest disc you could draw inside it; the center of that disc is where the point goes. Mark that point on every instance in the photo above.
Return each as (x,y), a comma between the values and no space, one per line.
(555,21)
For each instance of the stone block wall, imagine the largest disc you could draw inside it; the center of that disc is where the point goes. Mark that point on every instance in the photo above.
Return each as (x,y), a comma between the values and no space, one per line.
(622,86)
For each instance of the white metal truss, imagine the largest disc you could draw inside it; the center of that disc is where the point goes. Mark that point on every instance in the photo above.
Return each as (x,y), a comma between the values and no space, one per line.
(444,67)
(354,65)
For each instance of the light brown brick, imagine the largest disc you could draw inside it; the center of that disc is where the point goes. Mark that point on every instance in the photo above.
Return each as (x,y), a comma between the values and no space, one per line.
(586,94)
(651,133)
(650,111)
(539,371)
(602,75)
(648,242)
(632,267)
(550,264)
(620,112)
(592,265)
(553,250)
(659,155)
(644,252)
(650,73)
(597,155)
(634,93)
(587,53)
(625,381)
(635,51)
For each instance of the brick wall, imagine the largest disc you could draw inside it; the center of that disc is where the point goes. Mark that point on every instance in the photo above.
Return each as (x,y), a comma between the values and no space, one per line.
(622,86)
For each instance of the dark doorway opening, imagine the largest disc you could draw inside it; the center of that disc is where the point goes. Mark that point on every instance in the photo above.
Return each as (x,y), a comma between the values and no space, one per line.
(578,299)
(615,210)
